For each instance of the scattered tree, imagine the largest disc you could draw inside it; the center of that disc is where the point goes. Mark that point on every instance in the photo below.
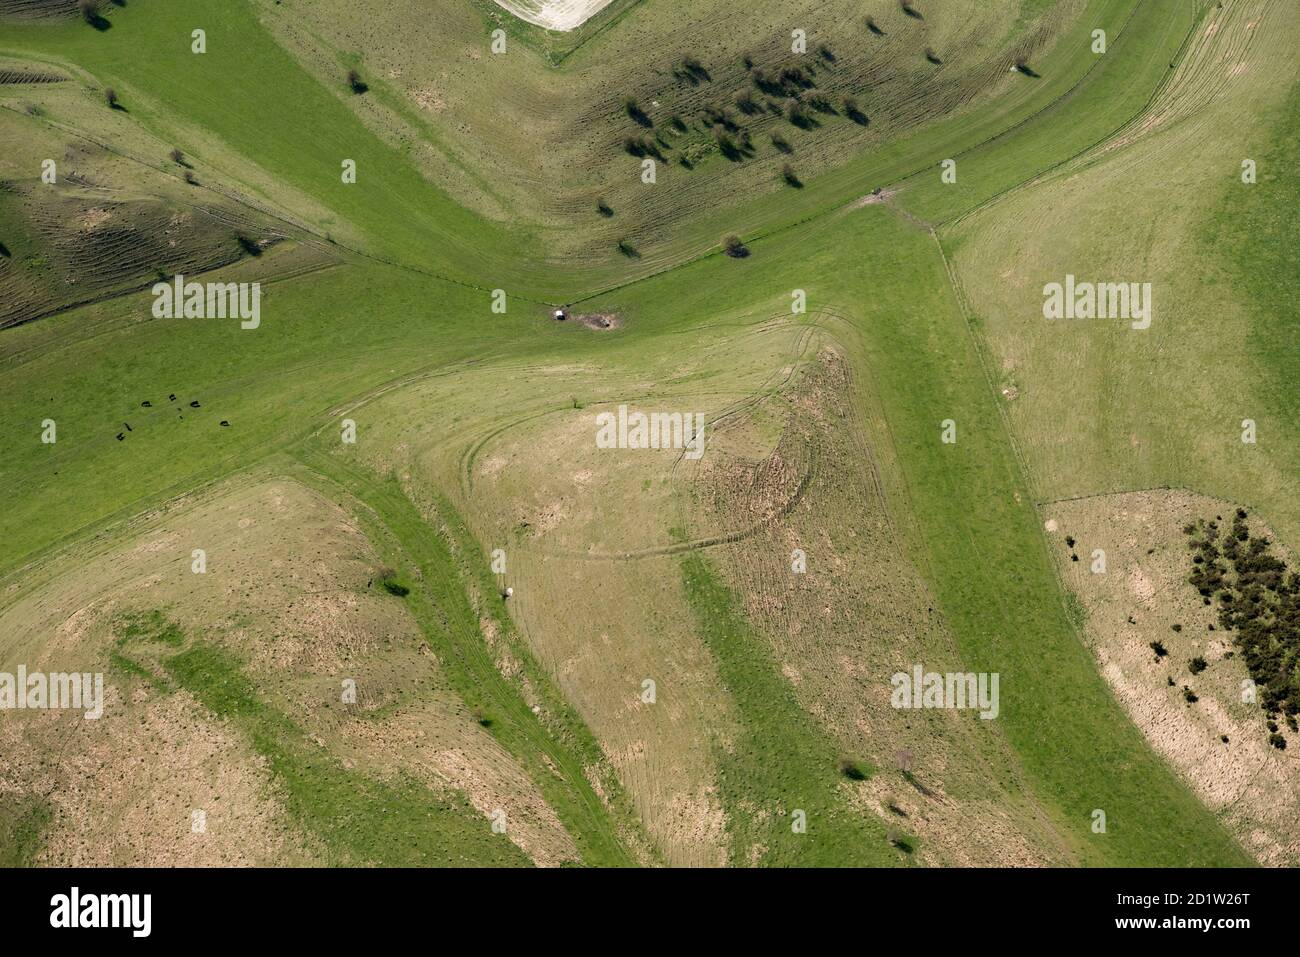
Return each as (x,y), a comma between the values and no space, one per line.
(853,111)
(854,770)
(1022,65)
(692,71)
(90,12)
(734,247)
(898,840)
(726,145)
(793,111)
(638,115)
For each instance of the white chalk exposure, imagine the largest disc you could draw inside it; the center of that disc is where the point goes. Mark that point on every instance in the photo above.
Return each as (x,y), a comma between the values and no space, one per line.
(561,15)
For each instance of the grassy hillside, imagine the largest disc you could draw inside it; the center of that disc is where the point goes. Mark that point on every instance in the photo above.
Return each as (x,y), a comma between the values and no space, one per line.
(541,584)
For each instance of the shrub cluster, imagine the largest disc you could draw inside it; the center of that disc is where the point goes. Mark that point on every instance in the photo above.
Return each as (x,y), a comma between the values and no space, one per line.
(1259,601)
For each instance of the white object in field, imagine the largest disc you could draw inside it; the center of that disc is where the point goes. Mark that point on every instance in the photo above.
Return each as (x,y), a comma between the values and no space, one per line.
(509,592)
(559,314)
(562,15)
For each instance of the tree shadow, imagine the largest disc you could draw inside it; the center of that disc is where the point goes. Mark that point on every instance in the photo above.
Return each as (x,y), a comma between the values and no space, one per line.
(638,115)
(857,116)
(642,147)
(911,11)
(822,104)
(692,71)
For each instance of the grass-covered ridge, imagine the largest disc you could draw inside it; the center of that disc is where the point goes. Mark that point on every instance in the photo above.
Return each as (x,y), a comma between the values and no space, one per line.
(480,172)
(783,782)
(359,819)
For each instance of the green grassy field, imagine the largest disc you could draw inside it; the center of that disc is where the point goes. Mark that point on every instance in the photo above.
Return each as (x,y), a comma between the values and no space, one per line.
(479,172)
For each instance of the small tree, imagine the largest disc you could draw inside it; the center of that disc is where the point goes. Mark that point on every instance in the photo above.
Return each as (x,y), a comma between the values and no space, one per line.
(854,770)
(355,82)
(89,10)
(734,247)
(178,157)
(790,176)
(634,111)
(110,96)
(727,146)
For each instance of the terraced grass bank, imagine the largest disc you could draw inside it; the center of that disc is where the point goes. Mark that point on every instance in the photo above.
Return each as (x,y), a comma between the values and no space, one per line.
(395,481)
